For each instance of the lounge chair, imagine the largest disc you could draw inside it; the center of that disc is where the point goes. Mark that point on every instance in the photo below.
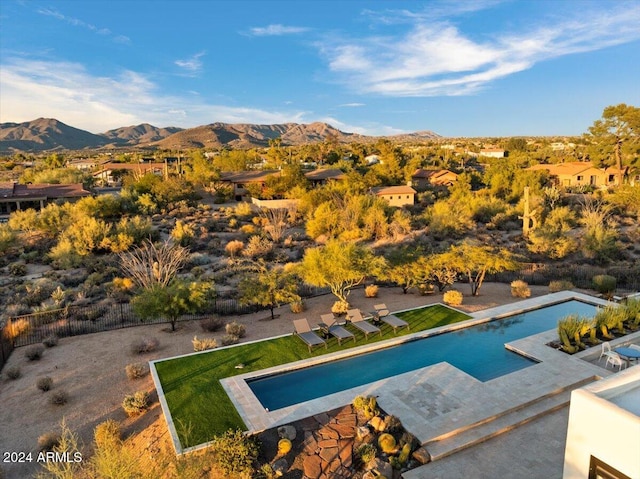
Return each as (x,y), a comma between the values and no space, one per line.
(358,321)
(383,315)
(303,331)
(336,330)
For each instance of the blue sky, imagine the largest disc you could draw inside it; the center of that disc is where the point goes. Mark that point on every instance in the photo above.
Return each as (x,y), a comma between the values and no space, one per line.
(481,68)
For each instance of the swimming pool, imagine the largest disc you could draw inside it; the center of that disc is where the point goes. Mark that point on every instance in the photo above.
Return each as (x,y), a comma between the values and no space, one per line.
(478,350)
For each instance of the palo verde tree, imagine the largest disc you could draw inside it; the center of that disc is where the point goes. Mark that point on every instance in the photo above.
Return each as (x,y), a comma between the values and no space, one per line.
(475,261)
(268,286)
(340,266)
(407,267)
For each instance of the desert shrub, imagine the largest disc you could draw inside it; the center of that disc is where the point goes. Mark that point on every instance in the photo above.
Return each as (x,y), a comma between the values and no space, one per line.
(377,423)
(137,403)
(520,289)
(340,307)
(452,297)
(604,284)
(387,443)
(297,307)
(236,329)
(48,440)
(229,339)
(258,247)
(136,370)
(50,341)
(211,324)
(17,269)
(560,285)
(34,353)
(371,291)
(248,229)
(17,327)
(235,453)
(145,344)
(107,433)
(59,398)
(13,372)
(366,405)
(367,452)
(284,446)
(203,344)
(233,248)
(44,384)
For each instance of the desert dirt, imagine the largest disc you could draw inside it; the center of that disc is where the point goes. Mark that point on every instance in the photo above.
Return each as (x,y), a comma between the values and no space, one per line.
(91,368)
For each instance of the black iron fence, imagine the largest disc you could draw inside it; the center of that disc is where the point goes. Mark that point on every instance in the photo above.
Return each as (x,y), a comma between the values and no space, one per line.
(627,277)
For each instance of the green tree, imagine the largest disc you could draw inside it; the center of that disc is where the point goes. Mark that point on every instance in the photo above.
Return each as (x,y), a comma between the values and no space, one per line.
(619,126)
(407,267)
(340,266)
(268,286)
(179,297)
(200,171)
(475,261)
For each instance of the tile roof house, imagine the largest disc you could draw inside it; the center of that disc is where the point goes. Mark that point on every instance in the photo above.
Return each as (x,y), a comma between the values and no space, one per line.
(423,178)
(107,170)
(323,176)
(14,196)
(580,173)
(239,179)
(401,195)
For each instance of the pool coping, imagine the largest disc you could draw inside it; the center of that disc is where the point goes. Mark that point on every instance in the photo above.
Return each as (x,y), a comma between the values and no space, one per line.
(257,419)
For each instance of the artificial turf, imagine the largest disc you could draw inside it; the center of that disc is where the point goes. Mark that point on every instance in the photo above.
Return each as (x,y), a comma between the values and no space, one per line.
(200,407)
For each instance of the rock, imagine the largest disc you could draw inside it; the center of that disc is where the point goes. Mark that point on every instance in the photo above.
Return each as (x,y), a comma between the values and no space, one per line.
(362,432)
(328,433)
(346,452)
(328,443)
(280,466)
(383,468)
(287,432)
(312,466)
(421,455)
(329,453)
(310,443)
(343,430)
(322,418)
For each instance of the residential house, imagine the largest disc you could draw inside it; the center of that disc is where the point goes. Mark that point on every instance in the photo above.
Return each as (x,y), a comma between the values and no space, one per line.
(324,176)
(14,197)
(421,179)
(83,164)
(580,173)
(240,179)
(401,195)
(603,434)
(493,152)
(110,174)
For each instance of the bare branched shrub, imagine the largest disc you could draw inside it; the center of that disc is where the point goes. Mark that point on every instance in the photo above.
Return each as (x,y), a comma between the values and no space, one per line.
(203,344)
(59,398)
(520,289)
(258,247)
(136,370)
(236,329)
(276,223)
(34,353)
(152,264)
(214,323)
(144,345)
(48,440)
(44,384)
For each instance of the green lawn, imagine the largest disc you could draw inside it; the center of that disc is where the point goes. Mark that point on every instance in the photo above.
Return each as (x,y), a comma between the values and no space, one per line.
(199,405)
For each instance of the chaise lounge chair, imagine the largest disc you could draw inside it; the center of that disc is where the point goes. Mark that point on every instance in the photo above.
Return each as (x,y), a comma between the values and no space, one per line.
(303,331)
(383,315)
(336,330)
(358,321)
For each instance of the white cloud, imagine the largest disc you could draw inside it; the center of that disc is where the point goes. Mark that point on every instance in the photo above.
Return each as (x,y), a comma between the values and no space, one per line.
(76,22)
(276,30)
(352,105)
(436,58)
(67,91)
(193,64)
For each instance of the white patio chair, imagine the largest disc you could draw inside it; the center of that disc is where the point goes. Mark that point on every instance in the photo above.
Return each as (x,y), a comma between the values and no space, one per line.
(606,348)
(615,360)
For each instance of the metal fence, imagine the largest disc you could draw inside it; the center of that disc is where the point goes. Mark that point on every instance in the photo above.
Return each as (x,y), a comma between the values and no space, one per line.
(76,320)
(627,278)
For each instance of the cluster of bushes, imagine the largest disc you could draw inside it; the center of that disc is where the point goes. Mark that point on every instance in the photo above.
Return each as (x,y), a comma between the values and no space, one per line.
(136,403)
(575,331)
(145,344)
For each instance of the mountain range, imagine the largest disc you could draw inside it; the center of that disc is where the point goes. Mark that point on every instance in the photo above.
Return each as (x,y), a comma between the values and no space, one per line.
(47,134)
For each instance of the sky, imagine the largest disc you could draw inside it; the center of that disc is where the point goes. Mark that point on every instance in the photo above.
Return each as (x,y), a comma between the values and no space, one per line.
(458,68)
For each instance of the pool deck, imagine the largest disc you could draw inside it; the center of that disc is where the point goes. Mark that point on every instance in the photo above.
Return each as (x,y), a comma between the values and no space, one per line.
(441,405)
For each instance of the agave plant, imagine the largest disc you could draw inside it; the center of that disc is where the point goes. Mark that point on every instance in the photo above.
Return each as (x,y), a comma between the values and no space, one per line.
(604,319)
(632,313)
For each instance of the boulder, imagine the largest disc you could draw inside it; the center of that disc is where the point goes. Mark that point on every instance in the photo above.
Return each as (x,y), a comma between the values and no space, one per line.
(421,455)
(287,432)
(381,467)
(280,467)
(312,466)
(362,432)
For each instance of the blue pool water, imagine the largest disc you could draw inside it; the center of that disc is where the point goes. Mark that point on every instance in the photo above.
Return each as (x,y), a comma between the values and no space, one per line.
(478,350)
